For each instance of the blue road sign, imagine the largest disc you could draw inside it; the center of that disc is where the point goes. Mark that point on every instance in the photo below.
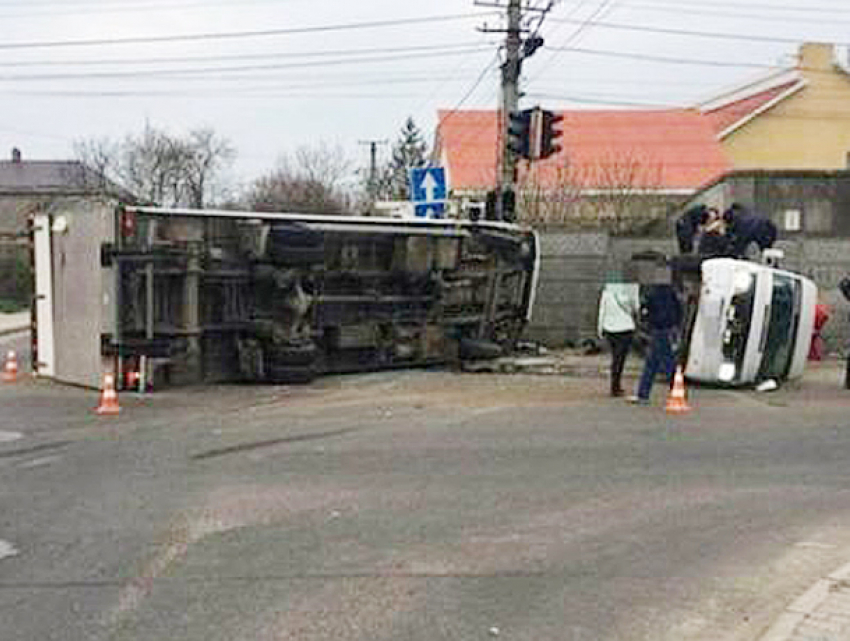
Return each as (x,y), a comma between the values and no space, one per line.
(428,184)
(430,210)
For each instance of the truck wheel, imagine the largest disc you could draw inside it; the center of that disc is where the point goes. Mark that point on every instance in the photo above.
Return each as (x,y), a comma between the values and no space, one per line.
(293,355)
(476,349)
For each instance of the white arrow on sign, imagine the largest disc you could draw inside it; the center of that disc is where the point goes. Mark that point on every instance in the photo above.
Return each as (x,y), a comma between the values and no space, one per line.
(430,185)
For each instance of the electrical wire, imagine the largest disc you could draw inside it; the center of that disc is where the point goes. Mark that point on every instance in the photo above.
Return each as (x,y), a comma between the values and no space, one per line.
(195,72)
(457,69)
(687,32)
(471,90)
(605,4)
(692,10)
(762,6)
(664,59)
(50,8)
(234,35)
(65,62)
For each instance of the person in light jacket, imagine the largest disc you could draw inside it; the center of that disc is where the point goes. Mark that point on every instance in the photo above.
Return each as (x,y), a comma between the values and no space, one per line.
(619,307)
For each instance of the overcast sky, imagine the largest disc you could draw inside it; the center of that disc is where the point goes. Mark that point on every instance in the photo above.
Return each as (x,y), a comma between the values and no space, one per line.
(273,75)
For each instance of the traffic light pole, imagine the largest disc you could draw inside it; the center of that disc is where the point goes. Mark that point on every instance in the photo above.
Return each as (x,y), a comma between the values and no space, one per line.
(510,97)
(514,133)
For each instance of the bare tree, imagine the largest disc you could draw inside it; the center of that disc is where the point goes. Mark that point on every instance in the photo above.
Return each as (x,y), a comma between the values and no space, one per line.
(100,158)
(209,155)
(619,193)
(310,181)
(160,168)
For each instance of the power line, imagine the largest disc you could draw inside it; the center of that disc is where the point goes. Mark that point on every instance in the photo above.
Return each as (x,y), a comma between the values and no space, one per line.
(184,95)
(272,85)
(188,73)
(805,8)
(461,47)
(686,32)
(606,101)
(49,8)
(600,10)
(664,59)
(233,35)
(471,90)
(445,81)
(679,10)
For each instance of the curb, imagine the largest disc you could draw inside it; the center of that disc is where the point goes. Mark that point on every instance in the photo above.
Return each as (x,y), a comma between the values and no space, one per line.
(823,607)
(14,330)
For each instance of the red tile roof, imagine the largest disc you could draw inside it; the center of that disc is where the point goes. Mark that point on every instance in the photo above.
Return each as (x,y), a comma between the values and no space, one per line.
(729,114)
(673,149)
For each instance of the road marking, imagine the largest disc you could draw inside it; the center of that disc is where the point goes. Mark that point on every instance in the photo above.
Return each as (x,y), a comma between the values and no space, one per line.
(39,462)
(8,437)
(814,545)
(7,549)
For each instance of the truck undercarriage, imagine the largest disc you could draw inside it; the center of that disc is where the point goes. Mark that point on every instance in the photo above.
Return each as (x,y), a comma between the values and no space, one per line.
(282,298)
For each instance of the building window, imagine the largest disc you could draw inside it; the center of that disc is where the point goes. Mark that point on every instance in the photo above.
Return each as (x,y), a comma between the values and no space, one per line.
(792,220)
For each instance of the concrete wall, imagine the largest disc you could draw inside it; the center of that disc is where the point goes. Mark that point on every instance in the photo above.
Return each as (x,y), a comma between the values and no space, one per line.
(574,268)
(570,269)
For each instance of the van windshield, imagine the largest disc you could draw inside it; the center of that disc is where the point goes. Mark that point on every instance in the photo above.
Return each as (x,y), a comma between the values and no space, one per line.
(781,328)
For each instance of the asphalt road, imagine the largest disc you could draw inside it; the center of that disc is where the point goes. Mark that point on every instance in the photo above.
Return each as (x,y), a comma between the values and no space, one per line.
(416,505)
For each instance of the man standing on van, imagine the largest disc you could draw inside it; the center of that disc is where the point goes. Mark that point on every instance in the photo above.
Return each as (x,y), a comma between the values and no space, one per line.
(619,308)
(664,315)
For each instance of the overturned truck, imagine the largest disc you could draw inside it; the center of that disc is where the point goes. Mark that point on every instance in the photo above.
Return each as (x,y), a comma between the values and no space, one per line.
(174,296)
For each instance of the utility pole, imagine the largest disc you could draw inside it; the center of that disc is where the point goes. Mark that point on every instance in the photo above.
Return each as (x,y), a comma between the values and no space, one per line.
(516,50)
(510,96)
(373,167)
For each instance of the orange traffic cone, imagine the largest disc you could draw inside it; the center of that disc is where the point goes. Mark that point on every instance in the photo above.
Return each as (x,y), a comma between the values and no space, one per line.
(10,371)
(676,403)
(108,397)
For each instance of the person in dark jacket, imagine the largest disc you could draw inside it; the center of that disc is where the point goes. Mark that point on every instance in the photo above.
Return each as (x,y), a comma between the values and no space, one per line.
(664,315)
(688,225)
(744,228)
(714,242)
(705,227)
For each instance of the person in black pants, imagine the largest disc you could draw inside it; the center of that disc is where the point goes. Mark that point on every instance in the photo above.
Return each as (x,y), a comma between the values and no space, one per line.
(619,306)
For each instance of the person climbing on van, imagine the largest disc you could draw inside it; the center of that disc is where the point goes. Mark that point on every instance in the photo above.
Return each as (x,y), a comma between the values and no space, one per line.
(749,233)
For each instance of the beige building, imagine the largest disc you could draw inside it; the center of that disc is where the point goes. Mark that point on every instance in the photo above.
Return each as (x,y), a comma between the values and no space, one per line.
(793,118)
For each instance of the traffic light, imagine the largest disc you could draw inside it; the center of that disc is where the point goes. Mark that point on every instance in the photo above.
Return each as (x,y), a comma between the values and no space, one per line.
(509,205)
(519,132)
(550,133)
(490,212)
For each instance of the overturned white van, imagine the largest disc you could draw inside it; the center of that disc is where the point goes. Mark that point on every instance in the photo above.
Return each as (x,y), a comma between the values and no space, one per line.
(753,323)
